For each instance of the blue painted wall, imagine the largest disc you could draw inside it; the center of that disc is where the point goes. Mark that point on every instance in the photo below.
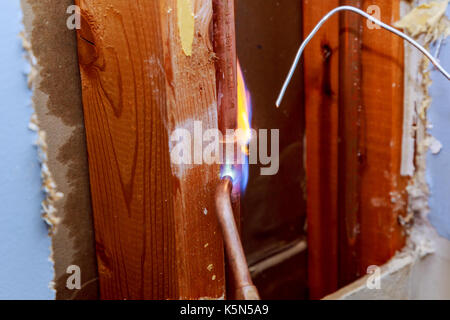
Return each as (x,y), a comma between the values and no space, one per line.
(25,271)
(438,168)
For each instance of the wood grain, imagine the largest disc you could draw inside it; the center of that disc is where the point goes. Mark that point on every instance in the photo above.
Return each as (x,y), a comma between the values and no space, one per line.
(321,69)
(155,222)
(350,155)
(383,194)
(361,177)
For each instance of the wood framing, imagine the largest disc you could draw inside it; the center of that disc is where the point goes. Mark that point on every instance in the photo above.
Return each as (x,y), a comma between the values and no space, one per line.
(354,103)
(383,195)
(321,68)
(155,224)
(349,152)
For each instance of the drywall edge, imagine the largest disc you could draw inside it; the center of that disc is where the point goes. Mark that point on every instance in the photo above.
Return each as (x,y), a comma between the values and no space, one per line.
(59,120)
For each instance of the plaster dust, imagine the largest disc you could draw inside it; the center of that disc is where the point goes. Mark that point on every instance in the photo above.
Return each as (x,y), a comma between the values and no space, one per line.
(58,119)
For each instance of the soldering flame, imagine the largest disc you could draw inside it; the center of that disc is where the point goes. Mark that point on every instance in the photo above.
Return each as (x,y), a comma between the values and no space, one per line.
(243,123)
(244,111)
(243,135)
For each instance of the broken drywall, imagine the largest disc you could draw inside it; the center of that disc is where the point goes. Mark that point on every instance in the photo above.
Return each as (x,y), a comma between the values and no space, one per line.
(427,23)
(59,121)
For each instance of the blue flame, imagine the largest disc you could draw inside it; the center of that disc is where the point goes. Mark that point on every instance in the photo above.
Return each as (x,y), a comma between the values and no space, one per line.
(228,171)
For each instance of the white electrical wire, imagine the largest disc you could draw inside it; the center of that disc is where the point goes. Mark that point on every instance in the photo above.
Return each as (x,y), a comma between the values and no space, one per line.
(364,14)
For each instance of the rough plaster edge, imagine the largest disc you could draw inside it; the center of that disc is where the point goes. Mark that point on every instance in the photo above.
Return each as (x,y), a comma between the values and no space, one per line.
(57,105)
(417,141)
(52,195)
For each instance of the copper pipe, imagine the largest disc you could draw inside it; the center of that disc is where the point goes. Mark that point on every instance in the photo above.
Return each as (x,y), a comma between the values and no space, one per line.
(245,289)
(226,62)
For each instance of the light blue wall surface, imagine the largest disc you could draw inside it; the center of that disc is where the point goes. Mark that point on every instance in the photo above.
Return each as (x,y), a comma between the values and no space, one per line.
(25,271)
(438,169)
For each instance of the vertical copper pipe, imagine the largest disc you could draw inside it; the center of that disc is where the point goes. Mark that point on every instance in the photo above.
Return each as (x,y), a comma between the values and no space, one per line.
(224,40)
(224,31)
(226,63)
(244,288)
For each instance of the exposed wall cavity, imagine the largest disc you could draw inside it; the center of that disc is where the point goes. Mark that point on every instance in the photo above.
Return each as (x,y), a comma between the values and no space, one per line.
(58,119)
(422,269)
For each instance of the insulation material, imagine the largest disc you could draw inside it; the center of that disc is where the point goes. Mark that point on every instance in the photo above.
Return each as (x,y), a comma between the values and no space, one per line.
(58,119)
(427,18)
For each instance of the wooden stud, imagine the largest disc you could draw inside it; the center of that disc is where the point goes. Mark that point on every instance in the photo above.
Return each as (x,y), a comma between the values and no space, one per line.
(156,230)
(350,155)
(321,67)
(383,195)
(362,176)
